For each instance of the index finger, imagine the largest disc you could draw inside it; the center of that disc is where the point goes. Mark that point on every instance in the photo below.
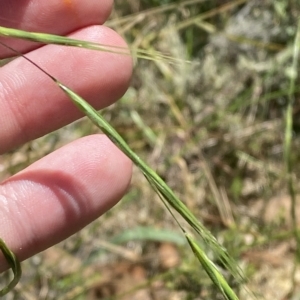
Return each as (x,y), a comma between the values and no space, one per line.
(52,16)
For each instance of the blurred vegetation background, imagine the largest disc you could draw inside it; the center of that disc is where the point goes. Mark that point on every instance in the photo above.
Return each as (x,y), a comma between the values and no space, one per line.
(214,127)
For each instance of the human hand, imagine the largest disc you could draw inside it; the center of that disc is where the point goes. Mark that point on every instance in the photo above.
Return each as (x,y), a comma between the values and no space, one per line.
(64,191)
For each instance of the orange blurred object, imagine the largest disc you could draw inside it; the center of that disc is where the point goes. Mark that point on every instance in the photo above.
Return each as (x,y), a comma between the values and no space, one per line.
(71,7)
(68,3)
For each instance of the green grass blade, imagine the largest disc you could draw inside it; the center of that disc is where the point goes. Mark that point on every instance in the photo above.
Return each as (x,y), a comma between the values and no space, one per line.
(210,268)
(156,181)
(212,271)
(46,38)
(288,138)
(15,266)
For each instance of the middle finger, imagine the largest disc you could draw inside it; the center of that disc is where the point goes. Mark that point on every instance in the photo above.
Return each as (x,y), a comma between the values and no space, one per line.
(32,105)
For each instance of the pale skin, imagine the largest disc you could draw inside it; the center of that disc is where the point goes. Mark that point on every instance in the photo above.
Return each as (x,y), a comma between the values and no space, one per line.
(66,190)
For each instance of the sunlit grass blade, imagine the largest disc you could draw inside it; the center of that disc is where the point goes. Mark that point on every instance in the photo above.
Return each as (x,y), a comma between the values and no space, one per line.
(209,14)
(288,147)
(15,266)
(161,187)
(155,180)
(212,271)
(209,267)
(46,38)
